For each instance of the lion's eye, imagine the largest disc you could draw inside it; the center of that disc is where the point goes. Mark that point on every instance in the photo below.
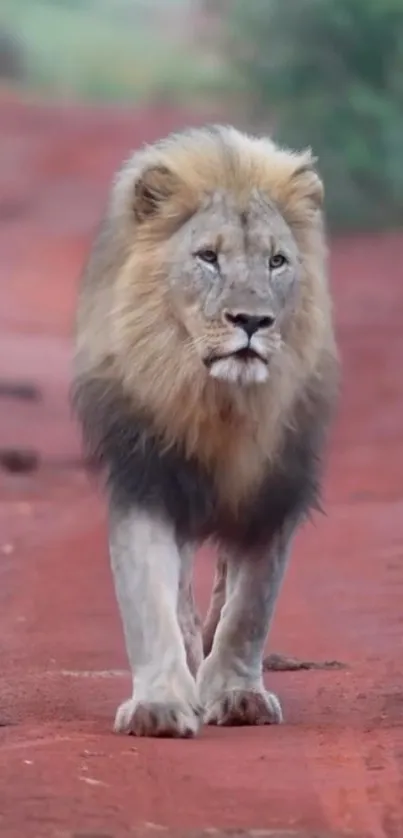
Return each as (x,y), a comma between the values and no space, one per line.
(209,256)
(277,260)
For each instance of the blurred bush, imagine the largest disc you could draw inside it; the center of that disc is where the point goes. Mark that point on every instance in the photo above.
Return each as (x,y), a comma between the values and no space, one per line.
(329,74)
(321,73)
(12,65)
(108,50)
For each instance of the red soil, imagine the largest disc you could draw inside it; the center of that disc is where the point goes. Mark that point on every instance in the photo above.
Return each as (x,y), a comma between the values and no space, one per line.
(335,767)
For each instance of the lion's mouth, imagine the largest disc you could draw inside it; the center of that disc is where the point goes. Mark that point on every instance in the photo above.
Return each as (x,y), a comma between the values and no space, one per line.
(245,355)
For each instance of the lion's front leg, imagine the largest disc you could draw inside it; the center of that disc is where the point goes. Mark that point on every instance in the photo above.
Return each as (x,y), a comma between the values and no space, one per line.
(146,565)
(230,682)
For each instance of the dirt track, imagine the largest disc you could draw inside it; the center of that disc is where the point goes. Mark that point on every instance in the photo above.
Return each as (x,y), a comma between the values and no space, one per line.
(336,766)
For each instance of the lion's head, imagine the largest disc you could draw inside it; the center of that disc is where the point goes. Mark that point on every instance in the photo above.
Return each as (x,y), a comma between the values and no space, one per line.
(206,293)
(233,276)
(221,225)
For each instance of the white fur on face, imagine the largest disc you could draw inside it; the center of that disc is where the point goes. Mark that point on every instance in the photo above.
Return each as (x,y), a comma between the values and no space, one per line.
(237,371)
(240,371)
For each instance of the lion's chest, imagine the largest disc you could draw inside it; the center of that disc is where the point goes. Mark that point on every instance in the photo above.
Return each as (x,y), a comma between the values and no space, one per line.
(242,502)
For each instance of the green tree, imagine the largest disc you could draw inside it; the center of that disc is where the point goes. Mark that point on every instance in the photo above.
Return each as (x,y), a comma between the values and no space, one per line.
(329,74)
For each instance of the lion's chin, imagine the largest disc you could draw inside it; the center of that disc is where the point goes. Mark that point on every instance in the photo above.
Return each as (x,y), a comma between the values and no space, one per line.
(238,371)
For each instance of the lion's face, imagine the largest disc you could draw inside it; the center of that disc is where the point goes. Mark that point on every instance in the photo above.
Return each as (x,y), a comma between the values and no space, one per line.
(223,256)
(234,280)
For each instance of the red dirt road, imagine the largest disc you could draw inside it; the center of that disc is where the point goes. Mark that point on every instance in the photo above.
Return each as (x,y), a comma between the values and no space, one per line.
(336,767)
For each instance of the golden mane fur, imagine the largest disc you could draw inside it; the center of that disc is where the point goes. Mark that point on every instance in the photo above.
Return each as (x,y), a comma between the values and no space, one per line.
(126,329)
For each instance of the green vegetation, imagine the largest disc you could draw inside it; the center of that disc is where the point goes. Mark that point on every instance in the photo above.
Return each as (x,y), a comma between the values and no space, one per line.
(321,73)
(331,74)
(102,49)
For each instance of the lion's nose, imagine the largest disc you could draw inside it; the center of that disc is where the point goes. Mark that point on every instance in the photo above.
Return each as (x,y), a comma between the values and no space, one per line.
(250,323)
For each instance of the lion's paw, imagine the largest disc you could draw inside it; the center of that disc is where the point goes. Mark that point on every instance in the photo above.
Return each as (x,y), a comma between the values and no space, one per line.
(244,707)
(153,718)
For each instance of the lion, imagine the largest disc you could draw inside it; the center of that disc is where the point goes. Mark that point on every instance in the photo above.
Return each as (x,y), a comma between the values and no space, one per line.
(205,382)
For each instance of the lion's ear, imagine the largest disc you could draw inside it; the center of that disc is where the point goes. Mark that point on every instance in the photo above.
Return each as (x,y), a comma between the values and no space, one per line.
(309,182)
(154,186)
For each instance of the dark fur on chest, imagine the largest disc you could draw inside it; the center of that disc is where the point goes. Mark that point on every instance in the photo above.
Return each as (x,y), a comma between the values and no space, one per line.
(141,471)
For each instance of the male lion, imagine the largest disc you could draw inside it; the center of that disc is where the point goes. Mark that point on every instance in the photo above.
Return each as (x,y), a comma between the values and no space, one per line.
(205,381)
